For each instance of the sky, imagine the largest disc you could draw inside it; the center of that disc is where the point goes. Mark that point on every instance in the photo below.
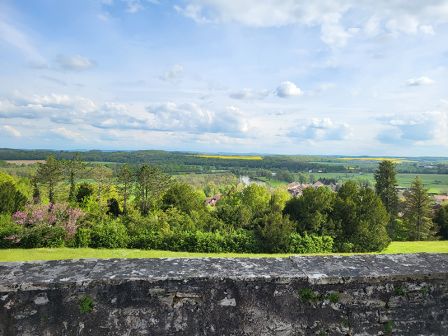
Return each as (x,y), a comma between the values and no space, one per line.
(348,77)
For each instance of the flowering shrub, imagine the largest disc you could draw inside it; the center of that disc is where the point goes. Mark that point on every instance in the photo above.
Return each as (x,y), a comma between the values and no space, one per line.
(56,215)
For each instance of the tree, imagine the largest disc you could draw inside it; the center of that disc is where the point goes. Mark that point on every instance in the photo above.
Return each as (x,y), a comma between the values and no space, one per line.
(183,197)
(72,169)
(126,180)
(441,220)
(102,176)
(360,220)
(36,191)
(386,189)
(152,183)
(417,212)
(50,173)
(256,198)
(311,210)
(11,200)
(84,190)
(274,231)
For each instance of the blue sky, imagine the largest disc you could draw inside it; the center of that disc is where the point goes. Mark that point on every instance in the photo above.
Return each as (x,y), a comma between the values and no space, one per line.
(269,76)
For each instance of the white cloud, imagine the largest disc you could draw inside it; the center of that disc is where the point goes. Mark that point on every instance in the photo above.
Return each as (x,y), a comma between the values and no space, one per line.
(74,62)
(11,131)
(426,127)
(420,81)
(249,94)
(67,134)
(331,16)
(191,117)
(288,89)
(321,129)
(174,73)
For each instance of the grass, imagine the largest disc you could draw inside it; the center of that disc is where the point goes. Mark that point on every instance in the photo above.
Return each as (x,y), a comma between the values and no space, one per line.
(436,183)
(7,255)
(231,157)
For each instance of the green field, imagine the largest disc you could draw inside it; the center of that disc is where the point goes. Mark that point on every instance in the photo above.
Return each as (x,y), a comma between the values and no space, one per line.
(436,183)
(79,253)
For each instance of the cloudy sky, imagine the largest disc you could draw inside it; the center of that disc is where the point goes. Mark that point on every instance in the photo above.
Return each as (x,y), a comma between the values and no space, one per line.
(355,77)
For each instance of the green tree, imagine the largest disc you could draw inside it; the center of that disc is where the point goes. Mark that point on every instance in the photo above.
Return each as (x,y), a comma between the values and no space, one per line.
(386,189)
(274,231)
(85,190)
(417,212)
(50,173)
(126,180)
(256,198)
(36,191)
(441,220)
(11,200)
(73,168)
(102,176)
(183,197)
(360,219)
(311,211)
(152,183)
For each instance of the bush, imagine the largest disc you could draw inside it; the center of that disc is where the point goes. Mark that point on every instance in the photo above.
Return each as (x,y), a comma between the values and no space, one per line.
(11,200)
(109,235)
(310,244)
(43,236)
(9,232)
(83,237)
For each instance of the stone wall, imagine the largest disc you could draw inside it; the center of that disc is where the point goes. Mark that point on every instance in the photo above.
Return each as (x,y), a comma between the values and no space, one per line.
(358,295)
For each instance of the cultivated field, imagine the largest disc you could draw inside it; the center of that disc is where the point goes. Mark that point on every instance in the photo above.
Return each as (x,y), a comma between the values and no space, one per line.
(25,162)
(80,253)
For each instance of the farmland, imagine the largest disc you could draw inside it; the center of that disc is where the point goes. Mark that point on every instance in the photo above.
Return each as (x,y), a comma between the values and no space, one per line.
(231,157)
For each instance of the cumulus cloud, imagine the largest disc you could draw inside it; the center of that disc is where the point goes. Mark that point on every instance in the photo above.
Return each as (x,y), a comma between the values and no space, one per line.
(249,94)
(74,62)
(288,89)
(321,129)
(12,131)
(191,117)
(420,81)
(425,127)
(332,17)
(173,74)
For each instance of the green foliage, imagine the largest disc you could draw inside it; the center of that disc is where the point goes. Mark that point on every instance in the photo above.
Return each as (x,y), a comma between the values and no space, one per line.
(386,189)
(85,190)
(441,220)
(86,304)
(274,232)
(112,234)
(50,173)
(11,200)
(312,210)
(417,212)
(9,232)
(388,327)
(307,295)
(183,197)
(360,220)
(43,236)
(310,244)
(83,237)
(333,297)
(152,184)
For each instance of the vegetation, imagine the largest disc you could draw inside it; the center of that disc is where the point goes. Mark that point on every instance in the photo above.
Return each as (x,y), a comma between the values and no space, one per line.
(70,203)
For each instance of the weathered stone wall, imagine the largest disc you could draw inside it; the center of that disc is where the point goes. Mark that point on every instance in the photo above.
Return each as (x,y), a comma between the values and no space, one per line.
(358,295)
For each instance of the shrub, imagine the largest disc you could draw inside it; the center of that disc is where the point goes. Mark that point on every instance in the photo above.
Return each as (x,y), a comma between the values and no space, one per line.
(82,237)
(11,200)
(43,236)
(310,244)
(111,234)
(9,232)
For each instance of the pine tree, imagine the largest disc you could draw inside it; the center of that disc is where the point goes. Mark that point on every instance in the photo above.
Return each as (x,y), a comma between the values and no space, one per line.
(417,213)
(386,189)
(126,181)
(72,169)
(50,173)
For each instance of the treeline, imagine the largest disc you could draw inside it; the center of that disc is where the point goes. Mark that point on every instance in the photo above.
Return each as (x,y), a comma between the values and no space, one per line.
(143,207)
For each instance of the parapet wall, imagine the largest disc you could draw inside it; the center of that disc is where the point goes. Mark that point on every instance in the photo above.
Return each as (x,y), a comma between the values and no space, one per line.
(357,295)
